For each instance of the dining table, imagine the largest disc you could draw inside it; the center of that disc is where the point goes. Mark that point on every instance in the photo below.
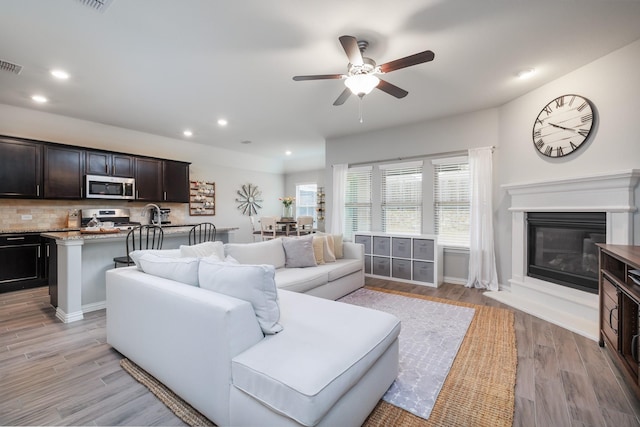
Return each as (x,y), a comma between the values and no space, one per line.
(288,226)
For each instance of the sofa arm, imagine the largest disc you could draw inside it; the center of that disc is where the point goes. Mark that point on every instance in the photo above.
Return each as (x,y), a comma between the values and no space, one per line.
(183,335)
(353,250)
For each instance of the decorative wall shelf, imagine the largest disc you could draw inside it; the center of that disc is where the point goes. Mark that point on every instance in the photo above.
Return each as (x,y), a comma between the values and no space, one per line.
(320,203)
(202,198)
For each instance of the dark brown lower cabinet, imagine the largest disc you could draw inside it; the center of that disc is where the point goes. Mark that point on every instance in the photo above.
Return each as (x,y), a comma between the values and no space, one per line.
(619,308)
(21,262)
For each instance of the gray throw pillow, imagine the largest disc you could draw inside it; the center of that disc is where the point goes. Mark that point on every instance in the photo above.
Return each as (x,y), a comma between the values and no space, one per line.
(298,251)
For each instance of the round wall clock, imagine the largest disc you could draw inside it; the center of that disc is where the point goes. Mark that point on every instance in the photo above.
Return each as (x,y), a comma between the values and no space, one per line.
(249,200)
(563,125)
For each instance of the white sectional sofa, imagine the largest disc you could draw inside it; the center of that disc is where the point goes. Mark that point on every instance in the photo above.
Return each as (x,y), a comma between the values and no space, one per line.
(328,364)
(330,280)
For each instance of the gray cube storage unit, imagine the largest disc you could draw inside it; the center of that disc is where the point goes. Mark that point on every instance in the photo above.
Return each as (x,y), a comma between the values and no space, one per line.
(405,258)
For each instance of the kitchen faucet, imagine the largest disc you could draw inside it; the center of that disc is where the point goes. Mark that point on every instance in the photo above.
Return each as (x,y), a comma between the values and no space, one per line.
(148,207)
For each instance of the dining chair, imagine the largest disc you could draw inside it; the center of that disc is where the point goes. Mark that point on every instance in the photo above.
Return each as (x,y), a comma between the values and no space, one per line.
(268,227)
(255,228)
(203,232)
(305,225)
(141,237)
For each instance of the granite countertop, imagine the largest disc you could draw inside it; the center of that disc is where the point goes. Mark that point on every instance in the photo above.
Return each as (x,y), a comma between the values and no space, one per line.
(75,234)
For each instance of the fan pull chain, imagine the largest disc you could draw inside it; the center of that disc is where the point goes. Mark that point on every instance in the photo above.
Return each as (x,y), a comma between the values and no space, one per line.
(360,107)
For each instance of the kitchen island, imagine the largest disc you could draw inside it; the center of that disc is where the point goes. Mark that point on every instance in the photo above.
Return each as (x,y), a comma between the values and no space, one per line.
(83,259)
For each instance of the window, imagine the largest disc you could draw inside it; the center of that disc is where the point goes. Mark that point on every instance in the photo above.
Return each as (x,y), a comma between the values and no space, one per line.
(451,195)
(402,197)
(357,214)
(306,200)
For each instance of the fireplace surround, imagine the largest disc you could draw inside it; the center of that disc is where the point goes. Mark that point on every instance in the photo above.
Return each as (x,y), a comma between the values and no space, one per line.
(611,194)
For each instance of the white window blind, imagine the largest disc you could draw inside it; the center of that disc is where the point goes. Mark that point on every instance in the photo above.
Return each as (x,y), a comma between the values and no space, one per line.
(402,197)
(306,200)
(452,201)
(357,214)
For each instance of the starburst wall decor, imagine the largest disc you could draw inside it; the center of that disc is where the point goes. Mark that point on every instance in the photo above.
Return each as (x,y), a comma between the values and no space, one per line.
(249,201)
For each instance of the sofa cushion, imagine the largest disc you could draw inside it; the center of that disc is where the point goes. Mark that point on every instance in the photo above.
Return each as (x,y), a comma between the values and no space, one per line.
(340,268)
(166,253)
(253,283)
(324,350)
(183,270)
(300,279)
(268,252)
(204,249)
(298,252)
(337,245)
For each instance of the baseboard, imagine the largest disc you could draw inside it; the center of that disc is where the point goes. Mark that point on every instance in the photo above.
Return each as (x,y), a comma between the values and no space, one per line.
(87,308)
(70,317)
(455,280)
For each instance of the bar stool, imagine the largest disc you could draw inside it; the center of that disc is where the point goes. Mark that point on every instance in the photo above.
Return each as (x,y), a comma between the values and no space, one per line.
(203,232)
(141,237)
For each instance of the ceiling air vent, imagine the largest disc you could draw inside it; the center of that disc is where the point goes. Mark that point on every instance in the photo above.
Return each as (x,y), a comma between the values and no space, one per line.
(10,67)
(99,5)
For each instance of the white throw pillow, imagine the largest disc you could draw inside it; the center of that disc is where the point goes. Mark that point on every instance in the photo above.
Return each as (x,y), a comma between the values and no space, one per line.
(252,283)
(337,246)
(203,250)
(165,253)
(268,252)
(183,270)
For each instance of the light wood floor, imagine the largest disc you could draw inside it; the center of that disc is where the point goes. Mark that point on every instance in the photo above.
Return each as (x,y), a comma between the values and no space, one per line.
(65,374)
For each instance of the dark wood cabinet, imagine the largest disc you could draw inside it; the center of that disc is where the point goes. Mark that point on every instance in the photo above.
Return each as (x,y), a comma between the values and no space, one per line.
(148,179)
(21,262)
(63,167)
(38,169)
(109,164)
(175,182)
(619,308)
(20,168)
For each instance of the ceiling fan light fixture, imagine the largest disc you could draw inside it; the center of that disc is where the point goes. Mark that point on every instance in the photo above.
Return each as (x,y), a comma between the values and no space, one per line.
(361,84)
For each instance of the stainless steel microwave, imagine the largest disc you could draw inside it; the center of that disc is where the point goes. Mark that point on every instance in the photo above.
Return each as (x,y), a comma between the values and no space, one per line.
(109,187)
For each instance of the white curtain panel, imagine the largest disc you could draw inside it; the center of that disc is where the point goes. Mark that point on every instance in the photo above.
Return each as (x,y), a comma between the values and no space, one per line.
(337,205)
(482,259)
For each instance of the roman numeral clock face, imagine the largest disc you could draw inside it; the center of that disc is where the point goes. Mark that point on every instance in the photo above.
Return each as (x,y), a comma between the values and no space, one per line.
(563,125)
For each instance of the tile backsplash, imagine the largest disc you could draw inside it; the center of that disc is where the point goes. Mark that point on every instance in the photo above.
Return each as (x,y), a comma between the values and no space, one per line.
(18,214)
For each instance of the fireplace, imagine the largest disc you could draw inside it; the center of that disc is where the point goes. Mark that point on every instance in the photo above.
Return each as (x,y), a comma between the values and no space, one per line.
(613,195)
(562,247)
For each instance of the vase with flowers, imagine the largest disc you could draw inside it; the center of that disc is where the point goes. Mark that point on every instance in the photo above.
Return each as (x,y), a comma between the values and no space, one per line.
(287,206)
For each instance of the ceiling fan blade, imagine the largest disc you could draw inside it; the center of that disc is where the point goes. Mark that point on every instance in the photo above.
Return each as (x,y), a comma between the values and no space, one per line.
(318,77)
(343,97)
(351,48)
(392,90)
(407,61)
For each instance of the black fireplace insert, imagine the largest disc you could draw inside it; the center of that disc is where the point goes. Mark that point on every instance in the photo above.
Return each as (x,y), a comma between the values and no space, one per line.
(562,247)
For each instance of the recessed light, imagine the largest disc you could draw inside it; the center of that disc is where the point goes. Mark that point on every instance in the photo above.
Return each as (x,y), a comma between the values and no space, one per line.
(39,99)
(525,74)
(187,133)
(60,74)
(288,153)
(222,122)
(246,141)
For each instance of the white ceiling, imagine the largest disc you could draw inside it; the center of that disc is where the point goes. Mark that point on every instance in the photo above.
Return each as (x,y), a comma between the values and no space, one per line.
(161,66)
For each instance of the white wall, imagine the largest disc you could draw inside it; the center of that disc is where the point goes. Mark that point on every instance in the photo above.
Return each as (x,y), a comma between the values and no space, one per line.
(207,163)
(610,82)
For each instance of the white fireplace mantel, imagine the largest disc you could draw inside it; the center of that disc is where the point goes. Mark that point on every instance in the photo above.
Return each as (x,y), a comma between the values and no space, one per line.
(612,193)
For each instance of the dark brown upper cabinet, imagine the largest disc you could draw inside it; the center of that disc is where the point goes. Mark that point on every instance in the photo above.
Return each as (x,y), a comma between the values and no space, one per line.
(175,182)
(63,172)
(109,164)
(20,168)
(148,179)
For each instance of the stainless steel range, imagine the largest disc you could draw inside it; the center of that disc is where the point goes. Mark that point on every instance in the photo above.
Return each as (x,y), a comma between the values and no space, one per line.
(120,217)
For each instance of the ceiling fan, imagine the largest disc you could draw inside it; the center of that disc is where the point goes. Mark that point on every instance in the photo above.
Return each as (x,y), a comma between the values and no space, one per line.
(361,76)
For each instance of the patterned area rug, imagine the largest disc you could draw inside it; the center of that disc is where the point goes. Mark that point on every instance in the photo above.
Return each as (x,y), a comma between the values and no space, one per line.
(479,390)
(430,337)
